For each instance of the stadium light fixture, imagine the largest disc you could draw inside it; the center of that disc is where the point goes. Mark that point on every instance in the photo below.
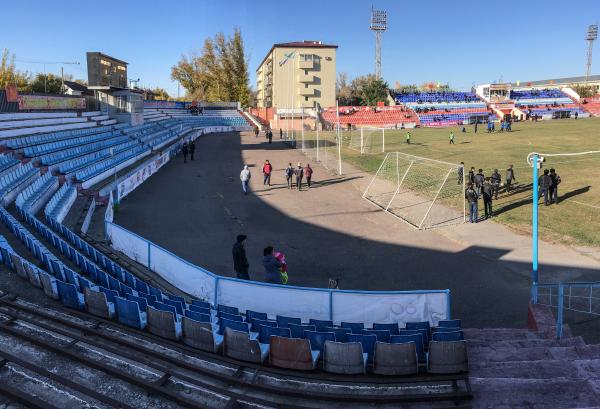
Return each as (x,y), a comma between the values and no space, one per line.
(378,26)
(591,36)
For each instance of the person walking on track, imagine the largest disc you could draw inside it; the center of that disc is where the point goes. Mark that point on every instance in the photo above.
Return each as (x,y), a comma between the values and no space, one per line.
(240,262)
(299,172)
(192,149)
(289,174)
(308,171)
(184,149)
(245,178)
(267,170)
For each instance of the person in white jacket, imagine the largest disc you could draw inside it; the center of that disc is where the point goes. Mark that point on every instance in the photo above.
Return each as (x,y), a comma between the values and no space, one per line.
(245,178)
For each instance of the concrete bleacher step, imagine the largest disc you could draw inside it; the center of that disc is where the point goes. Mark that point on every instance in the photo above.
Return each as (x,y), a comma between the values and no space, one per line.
(542,369)
(91,113)
(536,353)
(525,343)
(100,118)
(108,122)
(492,334)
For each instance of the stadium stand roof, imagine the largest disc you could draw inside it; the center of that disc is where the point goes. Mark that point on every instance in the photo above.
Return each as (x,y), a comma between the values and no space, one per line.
(556,81)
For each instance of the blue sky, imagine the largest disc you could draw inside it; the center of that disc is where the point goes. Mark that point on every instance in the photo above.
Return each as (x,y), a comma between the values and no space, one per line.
(460,42)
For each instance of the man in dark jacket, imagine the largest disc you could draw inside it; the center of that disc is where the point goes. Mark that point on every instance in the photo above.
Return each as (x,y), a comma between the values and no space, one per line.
(479,179)
(510,178)
(471,176)
(184,149)
(554,188)
(299,172)
(272,266)
(471,196)
(496,179)
(545,183)
(240,262)
(487,191)
(192,149)
(461,173)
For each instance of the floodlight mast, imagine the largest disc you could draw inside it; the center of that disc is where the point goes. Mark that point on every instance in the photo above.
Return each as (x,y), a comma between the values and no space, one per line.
(591,36)
(378,25)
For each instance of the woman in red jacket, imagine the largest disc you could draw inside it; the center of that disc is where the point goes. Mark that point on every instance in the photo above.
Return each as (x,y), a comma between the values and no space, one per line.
(267,169)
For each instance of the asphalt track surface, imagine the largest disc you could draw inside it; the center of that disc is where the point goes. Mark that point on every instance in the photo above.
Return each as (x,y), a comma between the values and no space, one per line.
(196,210)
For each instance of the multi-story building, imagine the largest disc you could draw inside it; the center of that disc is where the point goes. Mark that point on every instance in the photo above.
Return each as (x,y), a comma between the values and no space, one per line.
(297,74)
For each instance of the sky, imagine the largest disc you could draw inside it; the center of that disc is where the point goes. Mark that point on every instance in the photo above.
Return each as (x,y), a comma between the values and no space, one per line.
(457,42)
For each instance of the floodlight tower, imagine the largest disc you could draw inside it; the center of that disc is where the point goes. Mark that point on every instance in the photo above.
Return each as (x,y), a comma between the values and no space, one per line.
(591,36)
(378,25)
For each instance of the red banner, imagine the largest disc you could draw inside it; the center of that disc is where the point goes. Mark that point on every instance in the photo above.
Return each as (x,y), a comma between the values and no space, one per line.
(12,95)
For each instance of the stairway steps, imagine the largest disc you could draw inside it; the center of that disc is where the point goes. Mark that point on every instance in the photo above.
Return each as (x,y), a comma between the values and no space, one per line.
(534,353)
(534,393)
(585,369)
(492,334)
(525,343)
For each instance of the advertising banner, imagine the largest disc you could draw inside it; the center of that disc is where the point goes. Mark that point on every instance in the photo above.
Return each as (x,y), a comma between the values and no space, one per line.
(12,94)
(140,175)
(33,102)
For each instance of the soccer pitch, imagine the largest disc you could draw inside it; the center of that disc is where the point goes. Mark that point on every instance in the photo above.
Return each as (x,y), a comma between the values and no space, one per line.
(576,220)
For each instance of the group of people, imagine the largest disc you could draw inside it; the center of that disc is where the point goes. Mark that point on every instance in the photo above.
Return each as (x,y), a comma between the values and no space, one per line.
(298,173)
(268,133)
(273,262)
(188,148)
(548,184)
(484,187)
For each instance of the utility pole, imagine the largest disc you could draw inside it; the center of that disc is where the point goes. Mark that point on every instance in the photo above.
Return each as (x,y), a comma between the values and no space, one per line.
(44,63)
(378,25)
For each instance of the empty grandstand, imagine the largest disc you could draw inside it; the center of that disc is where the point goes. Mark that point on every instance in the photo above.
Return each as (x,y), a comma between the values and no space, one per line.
(545,103)
(361,116)
(445,108)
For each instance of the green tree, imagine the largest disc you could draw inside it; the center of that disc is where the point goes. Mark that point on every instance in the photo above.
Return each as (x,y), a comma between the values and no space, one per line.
(372,90)
(49,83)
(218,73)
(9,75)
(161,94)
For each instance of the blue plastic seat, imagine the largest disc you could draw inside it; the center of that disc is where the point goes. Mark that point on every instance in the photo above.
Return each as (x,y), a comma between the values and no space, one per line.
(143,303)
(232,317)
(341,334)
(448,336)
(110,294)
(200,303)
(265,333)
(416,338)
(320,324)
(450,323)
(255,324)
(69,296)
(367,341)
(166,307)
(198,316)
(125,289)
(71,277)
(317,339)
(200,309)
(228,309)
(283,321)
(392,328)
(235,325)
(142,287)
(113,283)
(254,314)
(297,331)
(383,335)
(128,313)
(177,304)
(355,327)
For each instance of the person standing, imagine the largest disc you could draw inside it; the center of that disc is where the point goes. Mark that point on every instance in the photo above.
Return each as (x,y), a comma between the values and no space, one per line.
(245,176)
(576,115)
(270,136)
(554,189)
(299,172)
(272,266)
(289,174)
(256,131)
(496,179)
(479,179)
(267,169)
(451,137)
(472,175)
(192,149)
(184,149)
(308,171)
(461,173)
(240,262)
(475,130)
(280,133)
(510,178)
(408,138)
(471,196)
(487,190)
(545,183)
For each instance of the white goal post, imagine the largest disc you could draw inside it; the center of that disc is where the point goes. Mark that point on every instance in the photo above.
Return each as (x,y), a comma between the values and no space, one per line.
(367,140)
(422,192)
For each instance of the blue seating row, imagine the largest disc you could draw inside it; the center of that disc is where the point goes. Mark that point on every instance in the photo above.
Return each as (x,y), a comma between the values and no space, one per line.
(15,177)
(109,163)
(78,151)
(56,204)
(32,192)
(37,139)
(435,96)
(7,161)
(46,148)
(84,161)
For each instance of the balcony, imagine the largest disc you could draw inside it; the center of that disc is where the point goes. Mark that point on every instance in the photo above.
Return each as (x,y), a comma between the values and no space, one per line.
(306,78)
(306,65)
(306,92)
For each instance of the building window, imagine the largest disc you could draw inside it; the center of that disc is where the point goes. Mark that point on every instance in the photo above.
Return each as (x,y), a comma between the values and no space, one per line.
(306,98)
(305,72)
(305,85)
(306,57)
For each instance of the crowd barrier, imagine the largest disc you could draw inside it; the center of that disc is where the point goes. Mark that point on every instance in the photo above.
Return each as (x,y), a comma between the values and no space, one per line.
(319,303)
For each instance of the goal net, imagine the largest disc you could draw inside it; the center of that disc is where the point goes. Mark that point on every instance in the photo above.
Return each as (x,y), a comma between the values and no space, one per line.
(424,193)
(368,140)
(322,146)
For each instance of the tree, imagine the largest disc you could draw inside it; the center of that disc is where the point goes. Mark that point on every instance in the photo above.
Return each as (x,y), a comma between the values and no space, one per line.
(49,84)
(343,90)
(371,90)
(9,75)
(161,94)
(218,73)
(585,91)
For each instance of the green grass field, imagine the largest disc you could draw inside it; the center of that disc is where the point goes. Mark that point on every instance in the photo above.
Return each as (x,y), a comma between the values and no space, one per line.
(576,220)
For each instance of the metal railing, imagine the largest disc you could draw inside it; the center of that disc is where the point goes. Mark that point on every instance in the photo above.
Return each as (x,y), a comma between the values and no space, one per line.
(583,297)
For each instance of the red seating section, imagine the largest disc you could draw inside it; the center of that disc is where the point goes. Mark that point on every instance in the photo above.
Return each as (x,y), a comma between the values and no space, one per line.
(592,105)
(371,116)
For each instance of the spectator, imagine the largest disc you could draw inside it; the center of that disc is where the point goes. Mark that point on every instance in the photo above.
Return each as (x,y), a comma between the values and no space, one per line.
(308,171)
(299,172)
(472,175)
(283,270)
(510,178)
(192,149)
(272,266)
(545,182)
(461,173)
(270,136)
(267,170)
(554,188)
(487,191)
(479,179)
(496,179)
(184,149)
(240,262)
(280,133)
(245,178)
(471,196)
(289,174)
(256,131)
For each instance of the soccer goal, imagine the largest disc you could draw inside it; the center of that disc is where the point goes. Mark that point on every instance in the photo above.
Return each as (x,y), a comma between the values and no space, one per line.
(424,193)
(323,147)
(368,140)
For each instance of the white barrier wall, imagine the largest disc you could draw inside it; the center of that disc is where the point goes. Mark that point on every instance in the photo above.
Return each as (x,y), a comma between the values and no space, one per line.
(318,303)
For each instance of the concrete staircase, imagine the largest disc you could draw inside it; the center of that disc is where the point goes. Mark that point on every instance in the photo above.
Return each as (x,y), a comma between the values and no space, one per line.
(525,368)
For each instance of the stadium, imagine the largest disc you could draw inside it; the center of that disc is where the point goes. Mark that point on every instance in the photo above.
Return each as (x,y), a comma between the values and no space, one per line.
(278,236)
